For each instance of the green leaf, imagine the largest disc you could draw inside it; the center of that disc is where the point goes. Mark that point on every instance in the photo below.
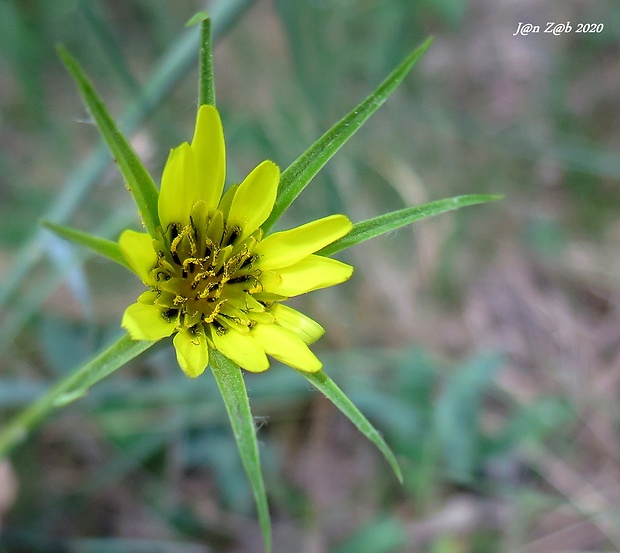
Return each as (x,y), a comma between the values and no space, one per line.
(457,415)
(396,219)
(70,389)
(295,178)
(206,90)
(136,176)
(198,17)
(232,387)
(326,385)
(102,246)
(382,535)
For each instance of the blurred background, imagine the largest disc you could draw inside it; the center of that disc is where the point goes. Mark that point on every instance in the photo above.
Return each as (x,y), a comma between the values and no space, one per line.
(484,344)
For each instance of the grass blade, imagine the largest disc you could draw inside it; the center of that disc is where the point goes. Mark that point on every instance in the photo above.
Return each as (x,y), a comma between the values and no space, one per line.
(328,387)
(295,178)
(232,387)
(376,226)
(137,178)
(102,246)
(72,387)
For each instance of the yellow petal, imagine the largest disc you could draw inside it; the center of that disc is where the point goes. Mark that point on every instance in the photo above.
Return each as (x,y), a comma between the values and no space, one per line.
(179,187)
(285,248)
(137,249)
(254,198)
(210,155)
(306,328)
(149,297)
(227,198)
(146,322)
(241,349)
(192,351)
(312,273)
(286,346)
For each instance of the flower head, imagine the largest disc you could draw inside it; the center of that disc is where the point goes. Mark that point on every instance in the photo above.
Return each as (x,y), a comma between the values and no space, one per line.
(214,279)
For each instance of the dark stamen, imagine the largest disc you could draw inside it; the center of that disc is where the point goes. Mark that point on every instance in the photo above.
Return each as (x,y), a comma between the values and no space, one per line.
(248,261)
(169,314)
(234,234)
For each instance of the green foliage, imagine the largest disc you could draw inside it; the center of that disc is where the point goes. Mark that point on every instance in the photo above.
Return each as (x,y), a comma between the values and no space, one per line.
(69,389)
(101,246)
(384,535)
(328,387)
(457,416)
(297,176)
(230,382)
(382,224)
(137,178)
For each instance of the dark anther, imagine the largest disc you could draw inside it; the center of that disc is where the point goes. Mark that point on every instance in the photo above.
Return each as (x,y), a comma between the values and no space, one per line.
(236,280)
(169,314)
(219,328)
(234,234)
(159,275)
(248,261)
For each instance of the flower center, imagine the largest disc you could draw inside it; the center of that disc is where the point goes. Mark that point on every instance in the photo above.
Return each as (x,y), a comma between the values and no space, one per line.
(204,274)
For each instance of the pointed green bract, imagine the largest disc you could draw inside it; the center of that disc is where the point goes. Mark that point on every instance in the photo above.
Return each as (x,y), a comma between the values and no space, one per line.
(327,386)
(376,226)
(136,176)
(232,387)
(70,388)
(102,246)
(198,17)
(303,169)
(206,88)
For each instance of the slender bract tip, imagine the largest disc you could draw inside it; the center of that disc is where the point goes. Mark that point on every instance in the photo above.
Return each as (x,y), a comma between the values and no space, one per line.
(66,58)
(206,82)
(198,18)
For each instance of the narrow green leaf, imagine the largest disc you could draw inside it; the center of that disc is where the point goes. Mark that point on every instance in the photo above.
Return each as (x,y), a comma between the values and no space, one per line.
(328,387)
(72,387)
(457,414)
(136,176)
(198,17)
(295,178)
(102,246)
(232,387)
(206,90)
(396,219)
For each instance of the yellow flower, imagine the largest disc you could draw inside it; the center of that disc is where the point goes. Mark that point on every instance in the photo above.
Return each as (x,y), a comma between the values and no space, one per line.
(214,280)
